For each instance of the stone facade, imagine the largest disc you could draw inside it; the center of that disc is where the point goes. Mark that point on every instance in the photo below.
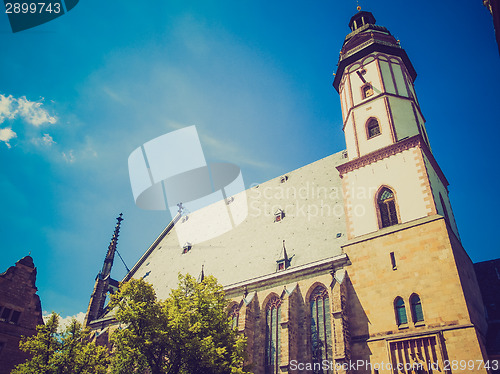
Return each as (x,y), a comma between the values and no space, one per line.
(20,311)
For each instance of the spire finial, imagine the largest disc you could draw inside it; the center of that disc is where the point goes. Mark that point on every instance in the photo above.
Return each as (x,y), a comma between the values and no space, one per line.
(358,8)
(108,261)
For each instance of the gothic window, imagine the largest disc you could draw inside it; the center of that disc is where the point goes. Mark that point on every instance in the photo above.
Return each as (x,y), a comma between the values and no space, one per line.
(234,314)
(423,354)
(321,331)
(273,340)
(373,128)
(387,208)
(399,308)
(416,308)
(367,90)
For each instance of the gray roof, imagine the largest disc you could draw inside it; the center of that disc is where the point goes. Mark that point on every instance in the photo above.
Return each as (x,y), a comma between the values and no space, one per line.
(311,198)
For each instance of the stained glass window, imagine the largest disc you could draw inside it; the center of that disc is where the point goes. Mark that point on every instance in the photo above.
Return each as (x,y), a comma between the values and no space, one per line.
(321,330)
(273,340)
(235,316)
(387,208)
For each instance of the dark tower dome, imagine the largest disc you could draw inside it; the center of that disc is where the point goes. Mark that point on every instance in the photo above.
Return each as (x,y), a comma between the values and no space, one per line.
(360,19)
(366,37)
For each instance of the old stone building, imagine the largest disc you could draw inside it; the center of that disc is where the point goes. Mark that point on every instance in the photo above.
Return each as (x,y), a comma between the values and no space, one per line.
(350,264)
(20,311)
(488,277)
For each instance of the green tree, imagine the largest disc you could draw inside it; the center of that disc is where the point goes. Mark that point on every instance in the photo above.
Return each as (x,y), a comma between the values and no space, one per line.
(188,333)
(68,352)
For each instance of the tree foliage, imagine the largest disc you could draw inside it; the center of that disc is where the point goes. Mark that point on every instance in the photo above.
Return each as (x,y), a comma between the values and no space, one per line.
(69,352)
(188,333)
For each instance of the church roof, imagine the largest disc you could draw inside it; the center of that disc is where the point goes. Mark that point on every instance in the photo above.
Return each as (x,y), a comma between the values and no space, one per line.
(313,225)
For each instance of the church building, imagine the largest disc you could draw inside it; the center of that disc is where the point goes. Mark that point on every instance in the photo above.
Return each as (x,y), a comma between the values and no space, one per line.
(353,263)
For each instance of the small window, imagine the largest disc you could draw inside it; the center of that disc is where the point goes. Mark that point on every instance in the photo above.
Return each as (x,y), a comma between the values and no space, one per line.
(416,308)
(14,319)
(284,178)
(344,154)
(5,314)
(393,261)
(387,208)
(367,90)
(186,248)
(279,215)
(373,128)
(400,310)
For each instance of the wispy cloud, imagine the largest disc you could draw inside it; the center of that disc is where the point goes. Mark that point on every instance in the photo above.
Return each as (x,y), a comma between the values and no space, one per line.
(69,156)
(6,135)
(45,141)
(31,112)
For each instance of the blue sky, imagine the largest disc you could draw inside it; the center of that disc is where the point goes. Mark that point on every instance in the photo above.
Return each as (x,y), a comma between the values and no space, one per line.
(82,92)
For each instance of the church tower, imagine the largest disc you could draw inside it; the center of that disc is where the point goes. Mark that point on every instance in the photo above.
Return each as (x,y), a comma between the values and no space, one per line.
(387,144)
(413,292)
(103,282)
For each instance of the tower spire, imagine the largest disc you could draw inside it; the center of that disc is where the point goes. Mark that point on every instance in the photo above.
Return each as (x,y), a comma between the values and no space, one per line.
(110,255)
(103,282)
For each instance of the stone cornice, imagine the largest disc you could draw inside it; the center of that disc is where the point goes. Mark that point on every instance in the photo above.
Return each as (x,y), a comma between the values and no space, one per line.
(403,145)
(287,276)
(414,141)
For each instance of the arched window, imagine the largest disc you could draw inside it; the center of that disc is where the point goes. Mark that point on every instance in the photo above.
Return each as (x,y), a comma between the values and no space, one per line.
(416,308)
(373,128)
(387,208)
(321,331)
(273,340)
(367,90)
(399,308)
(234,314)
